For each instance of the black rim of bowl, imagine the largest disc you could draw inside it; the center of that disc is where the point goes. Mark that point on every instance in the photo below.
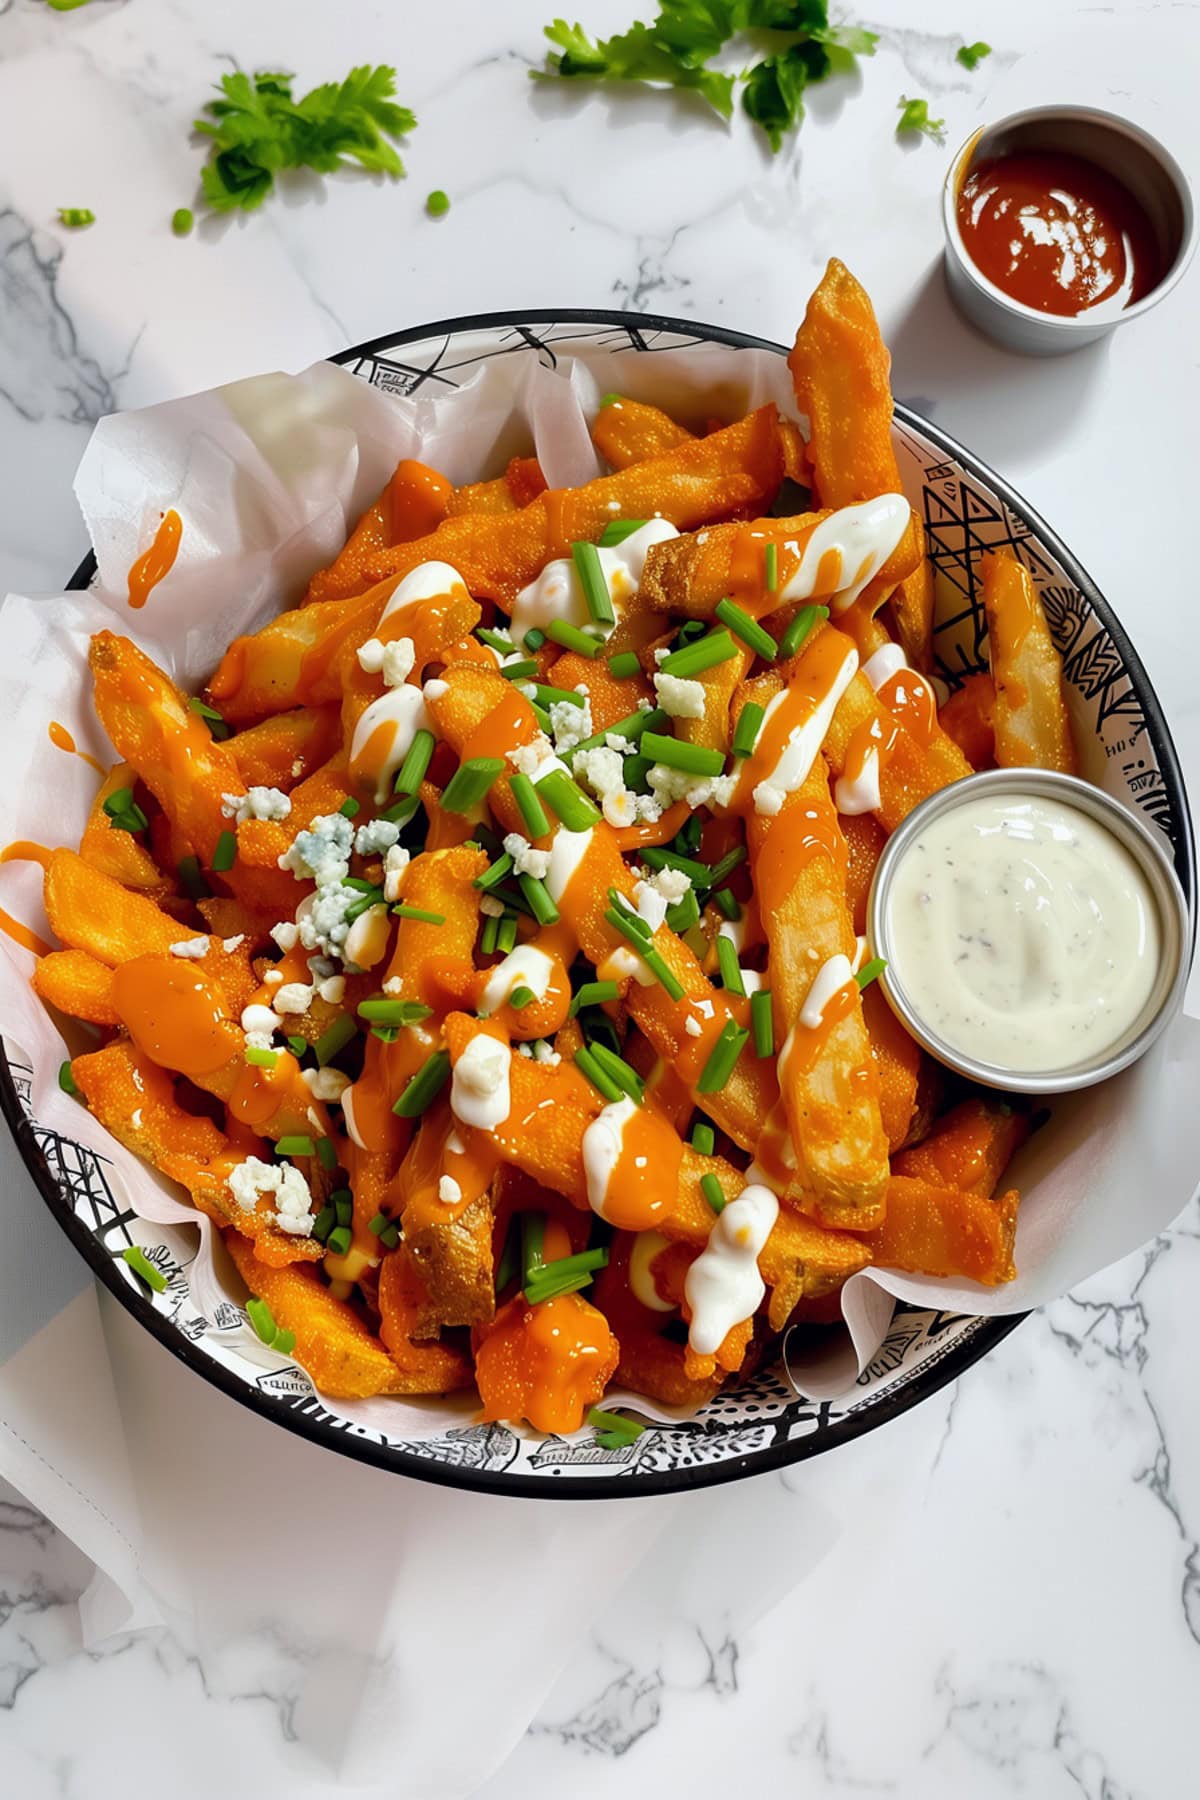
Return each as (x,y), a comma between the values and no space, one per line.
(893,1401)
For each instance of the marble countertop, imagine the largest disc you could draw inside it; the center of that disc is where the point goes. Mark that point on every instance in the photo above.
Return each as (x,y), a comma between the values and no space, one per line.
(999,1593)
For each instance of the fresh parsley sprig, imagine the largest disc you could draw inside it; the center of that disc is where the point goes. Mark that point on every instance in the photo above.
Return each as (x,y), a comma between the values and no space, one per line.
(258,128)
(677,49)
(914,116)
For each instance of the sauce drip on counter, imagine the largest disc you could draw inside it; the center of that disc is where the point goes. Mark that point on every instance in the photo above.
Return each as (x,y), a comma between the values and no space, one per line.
(157,562)
(1023,932)
(1057,233)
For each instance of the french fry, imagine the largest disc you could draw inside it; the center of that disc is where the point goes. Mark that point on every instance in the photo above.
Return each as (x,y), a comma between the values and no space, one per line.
(425,1367)
(345,1360)
(969,717)
(414,502)
(454,1261)
(521,482)
(77,984)
(898,1062)
(649,1363)
(547,1364)
(865,839)
(91,911)
(628,431)
(119,853)
(283,750)
(969,1148)
(840,370)
(1031,722)
(943,1231)
(912,609)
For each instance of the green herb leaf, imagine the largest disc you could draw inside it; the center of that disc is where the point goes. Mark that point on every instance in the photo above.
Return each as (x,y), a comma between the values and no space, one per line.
(75,217)
(914,116)
(182,220)
(437,204)
(971,55)
(672,51)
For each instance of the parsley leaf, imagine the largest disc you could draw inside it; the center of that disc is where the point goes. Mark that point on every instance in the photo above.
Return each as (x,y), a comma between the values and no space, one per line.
(914,116)
(257,128)
(971,55)
(676,50)
(76,217)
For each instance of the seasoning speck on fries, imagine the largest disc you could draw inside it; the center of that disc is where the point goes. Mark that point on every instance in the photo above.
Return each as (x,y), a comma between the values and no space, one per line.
(481,950)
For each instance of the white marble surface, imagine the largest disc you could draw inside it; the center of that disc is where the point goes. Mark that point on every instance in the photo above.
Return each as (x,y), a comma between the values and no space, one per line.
(999,1594)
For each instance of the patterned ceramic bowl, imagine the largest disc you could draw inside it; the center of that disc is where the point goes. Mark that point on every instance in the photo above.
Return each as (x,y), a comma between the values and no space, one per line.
(761,1425)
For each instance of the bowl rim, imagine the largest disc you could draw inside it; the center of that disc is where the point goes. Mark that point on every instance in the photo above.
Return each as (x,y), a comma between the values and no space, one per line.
(894,1401)
(1066,326)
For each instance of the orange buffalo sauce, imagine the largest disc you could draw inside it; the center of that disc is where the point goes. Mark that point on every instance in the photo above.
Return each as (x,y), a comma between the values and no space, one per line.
(910,700)
(25,850)
(791,841)
(642,1180)
(547,1363)
(260,1093)
(61,738)
(510,723)
(1057,233)
(417,499)
(173,1013)
(807,1042)
(156,562)
(793,708)
(21,934)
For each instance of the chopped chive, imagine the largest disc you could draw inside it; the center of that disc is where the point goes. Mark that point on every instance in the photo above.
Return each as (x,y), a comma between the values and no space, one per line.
(297,1045)
(745,732)
(215,720)
(570,637)
(359,907)
(674,753)
(594,583)
(284,1341)
(533,1232)
(652,958)
(687,838)
(556,696)
(190,878)
(748,629)
(262,1059)
(867,974)
(626,908)
(594,993)
(724,1055)
(511,895)
(762,1022)
(141,1265)
(545,723)
(342,1201)
(326,1154)
(520,671)
(506,937)
(635,771)
(582,1261)
(75,217)
(601,1080)
(728,863)
(704,1138)
(689,631)
(609,400)
(412,770)
(771,567)
(506,1268)
(381,1011)
(521,996)
(568,801)
(538,895)
(324,1223)
(495,640)
(705,653)
(725,900)
(182,220)
(387,1034)
(260,1316)
(610,1425)
(391,1237)
(617,530)
(470,782)
(632,726)
(550,1288)
(424,1087)
(800,627)
(685,913)
(491,930)
(335,1037)
(350,807)
(731,973)
(698,873)
(495,873)
(535,637)
(623,665)
(338,1241)
(620,1071)
(225,854)
(66,1080)
(713,1192)
(404,911)
(533,813)
(402,811)
(296,1144)
(124,814)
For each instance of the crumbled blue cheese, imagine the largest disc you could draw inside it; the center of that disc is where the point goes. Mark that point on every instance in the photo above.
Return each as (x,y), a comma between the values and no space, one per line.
(193,947)
(323,925)
(669,785)
(260,1021)
(680,698)
(370,656)
(286,934)
(332,989)
(449,1191)
(673,884)
(534,759)
(527,860)
(378,835)
(394,864)
(326,1084)
(230,944)
(292,997)
(256,803)
(544,1052)
(293,1198)
(570,723)
(603,771)
(490,907)
(322,853)
(651,905)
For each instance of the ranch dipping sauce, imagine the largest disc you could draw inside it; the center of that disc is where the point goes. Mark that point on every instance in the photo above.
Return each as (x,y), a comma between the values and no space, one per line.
(1023,931)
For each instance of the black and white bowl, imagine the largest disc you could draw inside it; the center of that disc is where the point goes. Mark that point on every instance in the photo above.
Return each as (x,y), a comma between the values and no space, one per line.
(761,1425)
